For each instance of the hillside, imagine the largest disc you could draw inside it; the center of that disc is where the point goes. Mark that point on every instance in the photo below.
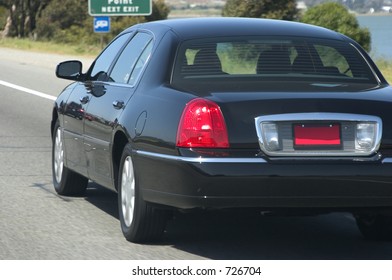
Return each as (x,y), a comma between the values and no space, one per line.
(194,8)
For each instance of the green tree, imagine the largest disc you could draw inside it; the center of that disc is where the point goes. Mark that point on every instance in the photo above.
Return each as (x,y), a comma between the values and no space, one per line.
(22,16)
(69,22)
(3,17)
(337,17)
(275,9)
(159,11)
(60,16)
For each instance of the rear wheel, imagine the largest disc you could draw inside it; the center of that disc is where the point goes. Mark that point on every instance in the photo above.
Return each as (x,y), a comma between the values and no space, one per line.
(140,221)
(65,181)
(375,227)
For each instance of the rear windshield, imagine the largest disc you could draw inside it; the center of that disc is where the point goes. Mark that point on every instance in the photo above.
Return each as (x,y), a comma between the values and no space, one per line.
(272,63)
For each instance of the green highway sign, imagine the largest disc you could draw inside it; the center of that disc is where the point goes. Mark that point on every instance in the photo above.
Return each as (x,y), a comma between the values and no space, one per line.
(119,7)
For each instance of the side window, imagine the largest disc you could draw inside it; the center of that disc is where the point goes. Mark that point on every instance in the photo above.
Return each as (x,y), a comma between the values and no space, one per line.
(100,67)
(140,63)
(129,58)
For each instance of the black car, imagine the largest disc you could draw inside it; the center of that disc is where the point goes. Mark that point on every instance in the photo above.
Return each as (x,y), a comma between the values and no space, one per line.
(223,113)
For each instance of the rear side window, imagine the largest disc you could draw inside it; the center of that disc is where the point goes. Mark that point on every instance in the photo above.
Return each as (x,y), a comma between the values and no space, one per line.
(268,59)
(132,59)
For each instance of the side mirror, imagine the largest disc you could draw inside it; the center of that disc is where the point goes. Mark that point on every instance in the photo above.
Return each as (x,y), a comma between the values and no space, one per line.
(69,70)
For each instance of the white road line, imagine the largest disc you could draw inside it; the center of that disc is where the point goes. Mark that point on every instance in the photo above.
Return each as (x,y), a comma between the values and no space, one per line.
(27,90)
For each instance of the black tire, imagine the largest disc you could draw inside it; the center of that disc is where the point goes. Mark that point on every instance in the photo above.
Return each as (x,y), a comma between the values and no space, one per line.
(140,221)
(375,227)
(65,181)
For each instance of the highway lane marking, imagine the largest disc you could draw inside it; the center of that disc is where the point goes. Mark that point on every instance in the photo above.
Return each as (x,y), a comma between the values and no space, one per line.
(27,90)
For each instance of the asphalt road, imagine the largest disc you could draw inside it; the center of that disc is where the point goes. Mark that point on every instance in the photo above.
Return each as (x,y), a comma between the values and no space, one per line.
(35,223)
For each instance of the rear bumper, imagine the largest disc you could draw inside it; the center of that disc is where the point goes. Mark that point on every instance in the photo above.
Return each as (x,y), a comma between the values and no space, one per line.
(196,182)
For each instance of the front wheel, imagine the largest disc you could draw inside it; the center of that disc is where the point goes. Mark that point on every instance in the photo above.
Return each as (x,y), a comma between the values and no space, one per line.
(375,227)
(65,181)
(140,221)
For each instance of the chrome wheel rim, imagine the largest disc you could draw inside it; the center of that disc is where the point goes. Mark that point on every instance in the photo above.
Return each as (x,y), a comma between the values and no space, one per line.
(58,156)
(127,191)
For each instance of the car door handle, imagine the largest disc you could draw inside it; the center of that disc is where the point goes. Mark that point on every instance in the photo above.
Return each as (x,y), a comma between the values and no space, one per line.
(118,104)
(84,100)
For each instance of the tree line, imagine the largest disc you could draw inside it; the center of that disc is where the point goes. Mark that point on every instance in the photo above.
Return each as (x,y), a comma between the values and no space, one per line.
(19,17)
(68,21)
(63,21)
(332,15)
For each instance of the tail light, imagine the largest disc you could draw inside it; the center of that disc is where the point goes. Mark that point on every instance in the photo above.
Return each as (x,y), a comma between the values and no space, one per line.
(366,135)
(202,125)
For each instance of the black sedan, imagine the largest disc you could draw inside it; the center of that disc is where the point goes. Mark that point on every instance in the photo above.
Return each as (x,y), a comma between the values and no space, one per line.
(223,113)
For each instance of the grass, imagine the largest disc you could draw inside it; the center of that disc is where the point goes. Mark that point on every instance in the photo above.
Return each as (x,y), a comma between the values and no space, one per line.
(386,68)
(385,65)
(49,47)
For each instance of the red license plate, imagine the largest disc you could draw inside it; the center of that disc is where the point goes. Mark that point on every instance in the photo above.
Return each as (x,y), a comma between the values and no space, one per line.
(306,135)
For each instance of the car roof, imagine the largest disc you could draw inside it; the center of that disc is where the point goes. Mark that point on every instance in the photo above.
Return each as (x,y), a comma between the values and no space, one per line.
(227,26)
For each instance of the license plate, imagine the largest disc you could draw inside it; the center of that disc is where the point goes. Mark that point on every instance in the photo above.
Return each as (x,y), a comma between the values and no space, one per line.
(317,135)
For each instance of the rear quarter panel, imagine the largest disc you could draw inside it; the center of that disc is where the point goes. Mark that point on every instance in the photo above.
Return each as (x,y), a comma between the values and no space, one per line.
(152,114)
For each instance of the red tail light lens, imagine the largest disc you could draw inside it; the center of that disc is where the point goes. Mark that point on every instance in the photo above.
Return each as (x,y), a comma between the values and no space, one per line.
(202,125)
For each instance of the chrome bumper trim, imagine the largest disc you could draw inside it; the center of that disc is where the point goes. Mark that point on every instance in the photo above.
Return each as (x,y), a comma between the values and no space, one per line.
(200,159)
(318,116)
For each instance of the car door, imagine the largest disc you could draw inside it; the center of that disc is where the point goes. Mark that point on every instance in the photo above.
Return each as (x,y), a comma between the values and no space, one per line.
(73,118)
(109,98)
(77,103)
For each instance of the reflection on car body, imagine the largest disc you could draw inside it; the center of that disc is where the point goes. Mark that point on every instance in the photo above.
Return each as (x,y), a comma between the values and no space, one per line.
(237,113)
